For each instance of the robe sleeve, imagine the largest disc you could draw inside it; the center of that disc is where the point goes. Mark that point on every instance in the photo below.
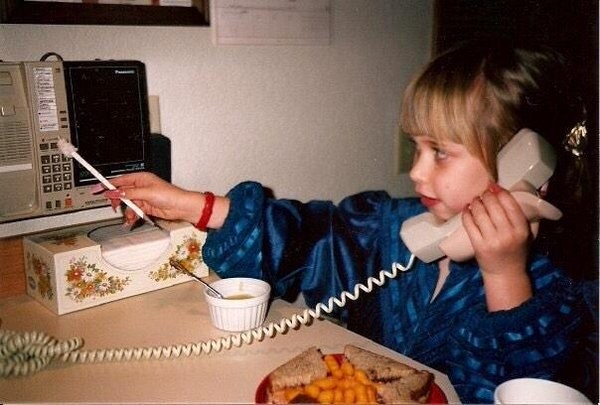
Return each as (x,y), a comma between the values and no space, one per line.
(314,247)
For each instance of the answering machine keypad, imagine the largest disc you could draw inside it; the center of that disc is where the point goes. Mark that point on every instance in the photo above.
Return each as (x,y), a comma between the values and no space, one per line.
(57,173)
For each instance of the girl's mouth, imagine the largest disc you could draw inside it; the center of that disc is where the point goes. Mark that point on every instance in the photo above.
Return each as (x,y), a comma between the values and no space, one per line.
(429,202)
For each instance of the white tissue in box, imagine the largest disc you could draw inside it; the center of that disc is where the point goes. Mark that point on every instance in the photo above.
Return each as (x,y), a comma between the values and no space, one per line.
(131,250)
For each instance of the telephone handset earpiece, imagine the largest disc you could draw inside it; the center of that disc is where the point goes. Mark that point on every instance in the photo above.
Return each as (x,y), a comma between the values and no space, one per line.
(524,165)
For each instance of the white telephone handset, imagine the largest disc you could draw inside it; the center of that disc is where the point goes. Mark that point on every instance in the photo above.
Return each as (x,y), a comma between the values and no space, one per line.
(524,165)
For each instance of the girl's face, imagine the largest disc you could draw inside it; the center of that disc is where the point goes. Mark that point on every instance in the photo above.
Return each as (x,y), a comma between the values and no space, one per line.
(446,176)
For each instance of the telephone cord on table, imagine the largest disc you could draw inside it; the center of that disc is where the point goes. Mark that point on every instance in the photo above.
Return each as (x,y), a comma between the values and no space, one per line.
(24,353)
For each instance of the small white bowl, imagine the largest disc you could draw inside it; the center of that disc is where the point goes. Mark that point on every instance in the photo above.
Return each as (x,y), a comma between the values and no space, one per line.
(244,306)
(537,391)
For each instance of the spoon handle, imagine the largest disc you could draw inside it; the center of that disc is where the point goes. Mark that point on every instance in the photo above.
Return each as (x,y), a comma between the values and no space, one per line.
(180,267)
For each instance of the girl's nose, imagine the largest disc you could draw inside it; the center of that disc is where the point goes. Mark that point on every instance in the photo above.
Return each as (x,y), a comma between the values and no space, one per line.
(418,170)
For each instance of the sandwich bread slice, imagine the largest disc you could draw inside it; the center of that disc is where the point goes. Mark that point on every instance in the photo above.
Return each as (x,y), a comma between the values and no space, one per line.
(359,376)
(300,370)
(398,382)
(377,367)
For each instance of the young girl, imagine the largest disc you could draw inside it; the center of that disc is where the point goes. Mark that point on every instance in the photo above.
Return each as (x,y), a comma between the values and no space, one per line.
(507,313)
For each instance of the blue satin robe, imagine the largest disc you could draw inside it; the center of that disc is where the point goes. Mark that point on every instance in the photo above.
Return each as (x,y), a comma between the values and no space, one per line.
(320,249)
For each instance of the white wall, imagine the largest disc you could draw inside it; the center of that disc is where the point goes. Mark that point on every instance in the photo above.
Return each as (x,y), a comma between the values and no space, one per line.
(307,121)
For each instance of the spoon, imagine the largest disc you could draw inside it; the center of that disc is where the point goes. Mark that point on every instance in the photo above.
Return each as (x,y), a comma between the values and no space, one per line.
(180,267)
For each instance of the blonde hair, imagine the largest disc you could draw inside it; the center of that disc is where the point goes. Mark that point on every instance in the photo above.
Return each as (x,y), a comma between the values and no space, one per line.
(480,95)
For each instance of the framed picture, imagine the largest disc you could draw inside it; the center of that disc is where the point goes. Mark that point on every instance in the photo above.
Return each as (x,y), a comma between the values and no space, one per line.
(105,12)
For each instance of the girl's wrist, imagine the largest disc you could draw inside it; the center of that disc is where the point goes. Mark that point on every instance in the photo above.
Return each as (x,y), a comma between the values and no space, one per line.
(206,210)
(219,212)
(506,291)
(193,207)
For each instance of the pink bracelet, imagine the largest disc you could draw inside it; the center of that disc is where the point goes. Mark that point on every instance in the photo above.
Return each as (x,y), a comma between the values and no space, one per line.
(206,211)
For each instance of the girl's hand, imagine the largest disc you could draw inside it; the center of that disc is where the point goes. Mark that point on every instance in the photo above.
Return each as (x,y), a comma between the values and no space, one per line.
(500,235)
(162,199)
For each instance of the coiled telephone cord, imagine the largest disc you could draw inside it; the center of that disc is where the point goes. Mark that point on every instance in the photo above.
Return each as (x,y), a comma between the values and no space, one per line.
(24,353)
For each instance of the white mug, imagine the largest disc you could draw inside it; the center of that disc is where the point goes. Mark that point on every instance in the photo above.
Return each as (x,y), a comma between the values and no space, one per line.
(537,391)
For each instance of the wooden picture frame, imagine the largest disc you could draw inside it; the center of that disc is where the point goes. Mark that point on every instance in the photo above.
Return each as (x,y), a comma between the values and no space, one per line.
(50,12)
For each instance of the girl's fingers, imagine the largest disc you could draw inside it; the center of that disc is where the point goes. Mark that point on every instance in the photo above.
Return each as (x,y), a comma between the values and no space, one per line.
(485,216)
(469,223)
(130,216)
(494,210)
(97,188)
(513,211)
(496,220)
(481,215)
(114,197)
(138,195)
(114,194)
(115,205)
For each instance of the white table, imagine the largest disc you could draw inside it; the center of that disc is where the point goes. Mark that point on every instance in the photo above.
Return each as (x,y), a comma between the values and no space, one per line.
(174,315)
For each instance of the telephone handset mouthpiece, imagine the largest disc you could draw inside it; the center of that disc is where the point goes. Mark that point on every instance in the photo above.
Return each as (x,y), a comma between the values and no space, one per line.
(525,164)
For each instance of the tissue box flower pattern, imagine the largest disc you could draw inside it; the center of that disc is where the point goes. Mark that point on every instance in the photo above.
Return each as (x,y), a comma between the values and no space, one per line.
(188,253)
(85,280)
(42,279)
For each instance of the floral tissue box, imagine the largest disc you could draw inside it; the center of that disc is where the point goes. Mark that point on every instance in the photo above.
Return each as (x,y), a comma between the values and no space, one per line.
(85,266)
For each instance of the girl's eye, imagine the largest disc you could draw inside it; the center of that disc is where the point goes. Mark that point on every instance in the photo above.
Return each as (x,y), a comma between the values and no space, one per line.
(440,154)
